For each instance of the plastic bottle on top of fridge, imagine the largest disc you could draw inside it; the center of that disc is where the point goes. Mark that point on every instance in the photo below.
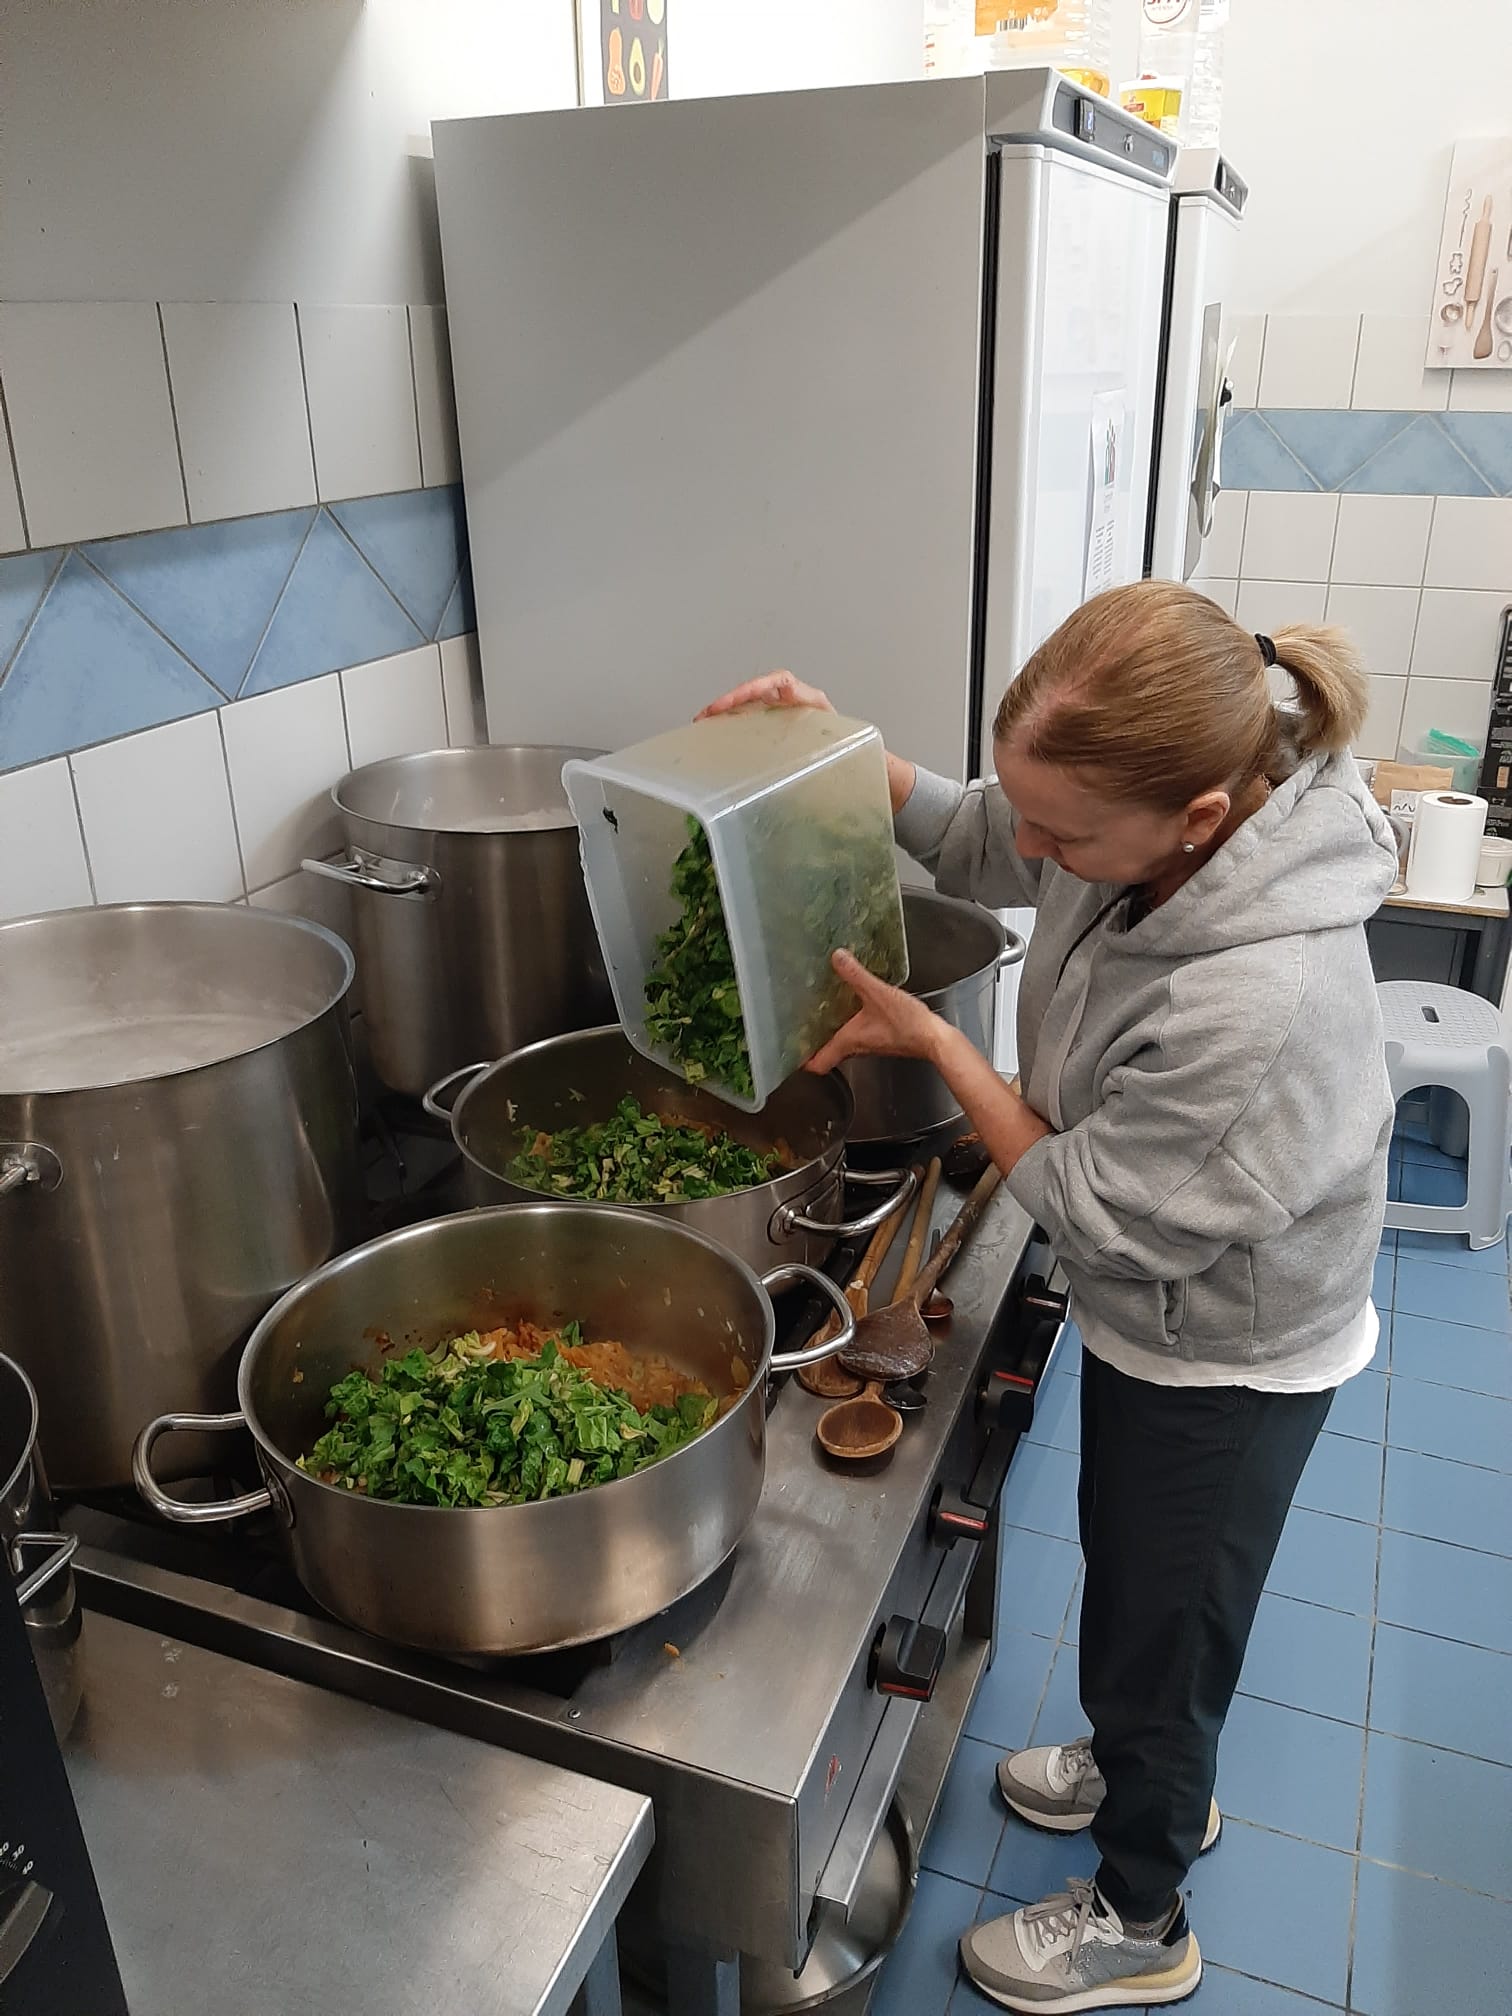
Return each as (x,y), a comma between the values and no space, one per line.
(1075,35)
(1181,49)
(1207,75)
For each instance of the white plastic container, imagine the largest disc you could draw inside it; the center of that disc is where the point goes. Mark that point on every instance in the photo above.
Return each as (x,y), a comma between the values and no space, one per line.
(795,808)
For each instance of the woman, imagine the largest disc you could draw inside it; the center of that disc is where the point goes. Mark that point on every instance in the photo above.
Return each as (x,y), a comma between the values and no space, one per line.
(1202,1131)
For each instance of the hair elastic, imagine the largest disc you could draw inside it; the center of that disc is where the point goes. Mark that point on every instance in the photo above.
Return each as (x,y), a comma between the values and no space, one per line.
(1267,649)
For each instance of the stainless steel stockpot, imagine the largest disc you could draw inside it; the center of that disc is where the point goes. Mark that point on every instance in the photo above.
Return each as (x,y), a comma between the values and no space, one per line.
(955,953)
(178,1144)
(569,1081)
(511,1578)
(470,916)
(36,1554)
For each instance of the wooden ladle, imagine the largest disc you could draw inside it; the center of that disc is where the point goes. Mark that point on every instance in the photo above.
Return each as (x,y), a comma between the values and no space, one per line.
(827,1378)
(865,1427)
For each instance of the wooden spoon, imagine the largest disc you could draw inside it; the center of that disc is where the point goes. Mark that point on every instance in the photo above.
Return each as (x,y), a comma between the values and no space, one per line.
(828,1379)
(863,1428)
(893,1343)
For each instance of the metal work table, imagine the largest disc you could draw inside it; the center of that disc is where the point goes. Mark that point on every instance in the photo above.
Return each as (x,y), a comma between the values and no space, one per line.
(1482,918)
(262,1846)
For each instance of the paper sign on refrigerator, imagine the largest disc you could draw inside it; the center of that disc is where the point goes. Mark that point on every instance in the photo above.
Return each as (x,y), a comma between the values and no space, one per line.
(1107,442)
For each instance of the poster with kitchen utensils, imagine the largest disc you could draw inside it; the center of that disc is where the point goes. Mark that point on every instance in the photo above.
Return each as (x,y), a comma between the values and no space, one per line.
(622,51)
(1471,323)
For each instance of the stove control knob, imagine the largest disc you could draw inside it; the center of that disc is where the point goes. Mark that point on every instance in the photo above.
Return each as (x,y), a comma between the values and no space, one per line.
(907,1658)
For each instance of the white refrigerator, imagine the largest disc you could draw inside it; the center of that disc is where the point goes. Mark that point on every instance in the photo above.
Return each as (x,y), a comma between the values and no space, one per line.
(857,382)
(1208,198)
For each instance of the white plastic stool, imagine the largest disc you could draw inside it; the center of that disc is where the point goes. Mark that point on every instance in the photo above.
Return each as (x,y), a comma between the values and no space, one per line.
(1442,1037)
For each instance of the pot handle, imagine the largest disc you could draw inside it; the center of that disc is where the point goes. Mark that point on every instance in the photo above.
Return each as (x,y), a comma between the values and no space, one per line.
(178,1509)
(1012,952)
(793,1273)
(26,1162)
(63,1548)
(360,870)
(791,1219)
(431,1100)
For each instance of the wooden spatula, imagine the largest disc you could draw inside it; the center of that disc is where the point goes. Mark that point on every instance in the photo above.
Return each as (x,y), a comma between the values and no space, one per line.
(828,1379)
(893,1343)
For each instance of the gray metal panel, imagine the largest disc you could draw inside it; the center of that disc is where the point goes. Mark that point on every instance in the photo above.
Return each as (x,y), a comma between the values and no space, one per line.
(263,1846)
(716,376)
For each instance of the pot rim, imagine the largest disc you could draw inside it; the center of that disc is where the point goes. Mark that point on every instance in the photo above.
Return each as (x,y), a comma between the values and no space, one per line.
(825,1163)
(931,897)
(285,1464)
(271,920)
(456,759)
(29,1447)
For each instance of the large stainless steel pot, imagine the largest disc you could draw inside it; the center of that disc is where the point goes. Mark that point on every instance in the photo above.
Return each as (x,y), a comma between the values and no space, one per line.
(955,953)
(36,1554)
(470,916)
(178,1143)
(570,1081)
(511,1578)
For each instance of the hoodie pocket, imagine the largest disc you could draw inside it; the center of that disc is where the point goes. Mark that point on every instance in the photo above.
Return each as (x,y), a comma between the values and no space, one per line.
(1174,1294)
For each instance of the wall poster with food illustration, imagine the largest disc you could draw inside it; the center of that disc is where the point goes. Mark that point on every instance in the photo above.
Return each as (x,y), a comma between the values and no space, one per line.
(1471,324)
(624,51)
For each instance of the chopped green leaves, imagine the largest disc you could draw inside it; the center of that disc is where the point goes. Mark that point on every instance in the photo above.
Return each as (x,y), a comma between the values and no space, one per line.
(692,1001)
(637,1158)
(459,1427)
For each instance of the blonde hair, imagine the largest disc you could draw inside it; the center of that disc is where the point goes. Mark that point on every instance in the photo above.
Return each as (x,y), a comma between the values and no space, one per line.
(1164,696)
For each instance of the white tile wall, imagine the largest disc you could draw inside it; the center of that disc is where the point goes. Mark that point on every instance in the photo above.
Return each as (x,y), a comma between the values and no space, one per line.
(1225,592)
(1224,544)
(361,390)
(156,810)
(1381,621)
(86,390)
(1481,392)
(435,398)
(1390,374)
(223,807)
(238,394)
(1289,536)
(1458,706)
(1382,542)
(1382,733)
(42,860)
(395,706)
(1457,634)
(1471,546)
(1244,366)
(1270,605)
(1309,360)
(462,688)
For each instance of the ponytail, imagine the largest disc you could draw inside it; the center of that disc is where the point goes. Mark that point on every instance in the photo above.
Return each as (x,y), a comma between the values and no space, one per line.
(1333,690)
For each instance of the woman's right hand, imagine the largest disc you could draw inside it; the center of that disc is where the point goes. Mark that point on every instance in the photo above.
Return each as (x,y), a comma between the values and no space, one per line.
(772,689)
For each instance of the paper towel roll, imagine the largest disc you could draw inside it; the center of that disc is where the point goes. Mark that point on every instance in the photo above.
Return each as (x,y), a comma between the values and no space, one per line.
(1446,843)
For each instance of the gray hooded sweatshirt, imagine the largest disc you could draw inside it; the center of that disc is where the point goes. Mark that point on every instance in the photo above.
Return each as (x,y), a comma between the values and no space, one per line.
(1215,1071)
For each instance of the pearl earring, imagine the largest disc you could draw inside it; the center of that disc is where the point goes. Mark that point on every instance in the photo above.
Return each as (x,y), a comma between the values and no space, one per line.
(1189,847)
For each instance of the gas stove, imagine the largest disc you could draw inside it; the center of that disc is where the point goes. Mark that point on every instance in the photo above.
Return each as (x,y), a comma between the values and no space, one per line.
(772,1714)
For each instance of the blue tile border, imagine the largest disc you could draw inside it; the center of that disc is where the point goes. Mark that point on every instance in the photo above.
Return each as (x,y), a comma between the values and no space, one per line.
(117,635)
(1375,453)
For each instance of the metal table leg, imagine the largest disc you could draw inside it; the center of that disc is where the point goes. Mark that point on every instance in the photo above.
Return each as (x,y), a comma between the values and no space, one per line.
(701,1982)
(600,1992)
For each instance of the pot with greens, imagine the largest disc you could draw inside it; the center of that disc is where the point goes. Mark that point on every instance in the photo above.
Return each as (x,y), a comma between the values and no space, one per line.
(586,1117)
(508,1430)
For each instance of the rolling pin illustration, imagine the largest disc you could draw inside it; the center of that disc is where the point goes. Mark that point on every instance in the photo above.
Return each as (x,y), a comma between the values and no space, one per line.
(1475,272)
(1483,340)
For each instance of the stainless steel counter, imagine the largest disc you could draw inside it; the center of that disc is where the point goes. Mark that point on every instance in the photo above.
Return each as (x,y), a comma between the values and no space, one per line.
(264,1847)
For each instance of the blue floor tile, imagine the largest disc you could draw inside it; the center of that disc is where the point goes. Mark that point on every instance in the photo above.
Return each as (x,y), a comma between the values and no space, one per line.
(1038,1576)
(1040,1494)
(1423,1947)
(1416,1147)
(969,1819)
(1032,1863)
(920,1975)
(1009,1697)
(1448,1354)
(1297,1773)
(1307,1657)
(1225,1993)
(1071,1630)
(1440,1183)
(1068,1353)
(1439,1813)
(1448,1501)
(1457,1697)
(1450,1249)
(1276,1908)
(1444,1421)
(1343,1476)
(1453,1294)
(1057,1411)
(1060,1718)
(1383,1282)
(1449,1591)
(1359,1407)
(1326,1560)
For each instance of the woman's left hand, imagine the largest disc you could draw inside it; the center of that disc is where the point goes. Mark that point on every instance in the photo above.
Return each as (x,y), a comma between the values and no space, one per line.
(891,1023)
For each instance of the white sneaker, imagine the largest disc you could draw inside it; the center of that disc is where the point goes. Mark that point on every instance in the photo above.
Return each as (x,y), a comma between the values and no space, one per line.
(1059,1787)
(1071,1952)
